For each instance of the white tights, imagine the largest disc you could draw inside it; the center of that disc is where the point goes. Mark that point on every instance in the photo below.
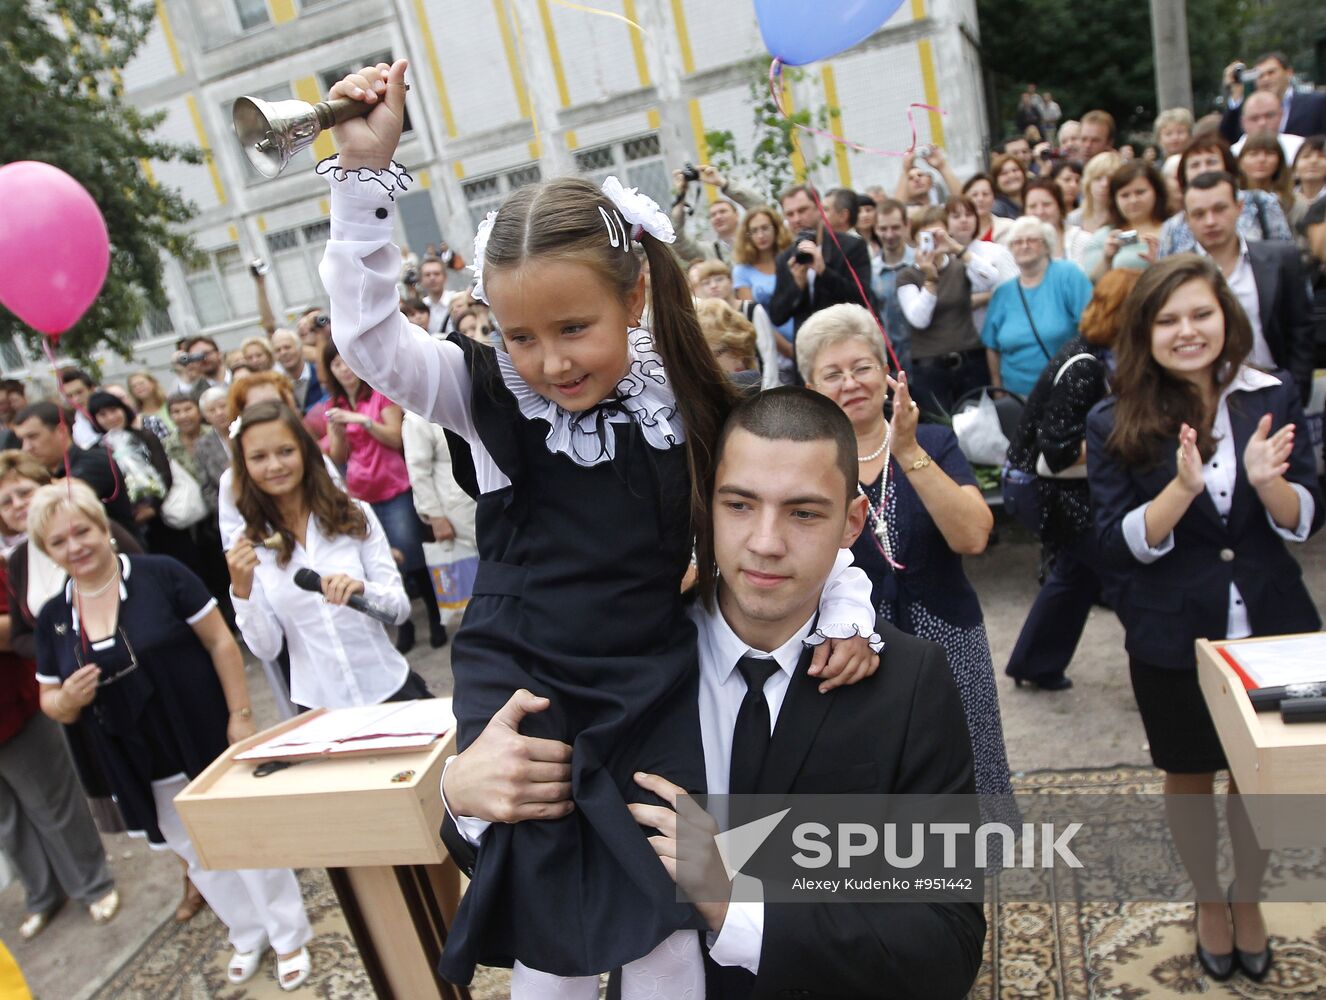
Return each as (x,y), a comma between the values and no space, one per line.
(672,971)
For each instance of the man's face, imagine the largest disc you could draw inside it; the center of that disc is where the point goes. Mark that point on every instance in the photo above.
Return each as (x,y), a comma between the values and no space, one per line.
(1213,216)
(210,365)
(800,212)
(1070,141)
(919,183)
(723,217)
(891,229)
(1020,150)
(1261,112)
(17,400)
(45,444)
(1094,138)
(433,277)
(285,345)
(837,216)
(77,392)
(1273,77)
(781,512)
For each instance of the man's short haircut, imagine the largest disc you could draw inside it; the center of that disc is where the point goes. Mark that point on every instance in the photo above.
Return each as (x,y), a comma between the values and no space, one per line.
(181,397)
(1003,146)
(886,205)
(1100,118)
(430,259)
(1277,55)
(77,375)
(45,411)
(12,385)
(843,200)
(202,339)
(793,413)
(928,217)
(796,189)
(1173,116)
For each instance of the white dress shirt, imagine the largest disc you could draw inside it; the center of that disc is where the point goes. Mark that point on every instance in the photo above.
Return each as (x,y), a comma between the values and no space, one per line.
(339,657)
(1290,144)
(1243,283)
(1219,473)
(228,518)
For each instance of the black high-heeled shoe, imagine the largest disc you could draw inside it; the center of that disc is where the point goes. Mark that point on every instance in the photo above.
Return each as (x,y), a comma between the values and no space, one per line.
(1060,683)
(1256,965)
(1217,967)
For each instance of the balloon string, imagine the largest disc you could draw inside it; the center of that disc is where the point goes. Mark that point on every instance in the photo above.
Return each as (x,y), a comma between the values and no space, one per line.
(601,13)
(776,92)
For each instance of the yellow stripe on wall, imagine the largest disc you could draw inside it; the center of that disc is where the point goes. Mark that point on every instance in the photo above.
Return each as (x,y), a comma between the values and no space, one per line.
(459,169)
(169,32)
(324,206)
(512,62)
(701,147)
(798,159)
(261,222)
(925,52)
(836,125)
(655,121)
(307,89)
(233,233)
(554,54)
(435,68)
(571,141)
(206,147)
(684,40)
(424,181)
(637,44)
(283,11)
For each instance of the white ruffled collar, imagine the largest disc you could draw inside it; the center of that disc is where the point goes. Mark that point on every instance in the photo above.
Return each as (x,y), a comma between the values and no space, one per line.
(644,395)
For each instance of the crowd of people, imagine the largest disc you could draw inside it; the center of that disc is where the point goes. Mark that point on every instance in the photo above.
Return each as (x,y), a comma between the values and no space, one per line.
(594,418)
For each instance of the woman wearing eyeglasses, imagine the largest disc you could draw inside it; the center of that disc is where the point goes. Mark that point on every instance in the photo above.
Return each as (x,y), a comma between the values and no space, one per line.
(925,513)
(135,655)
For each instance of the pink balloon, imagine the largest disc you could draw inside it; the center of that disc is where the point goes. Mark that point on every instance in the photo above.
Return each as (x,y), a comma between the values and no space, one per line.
(54,248)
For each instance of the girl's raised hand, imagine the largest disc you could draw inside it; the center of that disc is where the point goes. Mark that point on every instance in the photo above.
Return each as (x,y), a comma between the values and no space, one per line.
(242,560)
(1189,462)
(1266,457)
(371,141)
(843,661)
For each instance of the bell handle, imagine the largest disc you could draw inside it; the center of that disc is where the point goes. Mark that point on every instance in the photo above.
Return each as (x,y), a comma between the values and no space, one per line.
(341,109)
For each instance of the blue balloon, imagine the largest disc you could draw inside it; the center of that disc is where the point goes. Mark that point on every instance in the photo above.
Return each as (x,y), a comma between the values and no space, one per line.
(798,32)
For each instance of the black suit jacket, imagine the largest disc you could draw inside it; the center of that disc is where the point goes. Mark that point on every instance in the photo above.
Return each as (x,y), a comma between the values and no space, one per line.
(1286,313)
(1307,116)
(97,468)
(1168,604)
(832,287)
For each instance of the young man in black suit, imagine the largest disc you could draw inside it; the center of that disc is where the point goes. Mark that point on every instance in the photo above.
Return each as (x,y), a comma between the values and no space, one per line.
(784,505)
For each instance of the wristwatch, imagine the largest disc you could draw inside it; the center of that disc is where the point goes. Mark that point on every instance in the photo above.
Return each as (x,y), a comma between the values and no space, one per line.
(919,464)
(243,713)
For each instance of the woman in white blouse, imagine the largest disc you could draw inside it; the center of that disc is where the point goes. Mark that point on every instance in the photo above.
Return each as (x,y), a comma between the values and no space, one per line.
(295,517)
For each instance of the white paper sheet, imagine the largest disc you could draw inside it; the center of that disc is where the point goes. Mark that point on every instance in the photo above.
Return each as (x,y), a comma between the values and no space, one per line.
(1273,662)
(391,726)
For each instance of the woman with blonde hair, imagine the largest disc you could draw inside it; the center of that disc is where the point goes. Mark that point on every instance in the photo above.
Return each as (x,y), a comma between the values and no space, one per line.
(150,400)
(761,236)
(712,280)
(732,339)
(1094,212)
(258,354)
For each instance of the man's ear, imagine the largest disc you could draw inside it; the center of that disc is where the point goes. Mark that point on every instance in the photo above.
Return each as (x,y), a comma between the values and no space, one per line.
(856,520)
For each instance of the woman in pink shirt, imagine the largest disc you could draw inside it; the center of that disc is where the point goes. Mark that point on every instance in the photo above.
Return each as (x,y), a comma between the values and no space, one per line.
(364,431)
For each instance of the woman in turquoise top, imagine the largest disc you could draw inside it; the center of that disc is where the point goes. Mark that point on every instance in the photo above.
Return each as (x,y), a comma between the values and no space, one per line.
(1033,315)
(1137,206)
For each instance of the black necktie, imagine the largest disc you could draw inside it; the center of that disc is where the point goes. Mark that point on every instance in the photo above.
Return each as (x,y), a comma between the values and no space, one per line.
(750,738)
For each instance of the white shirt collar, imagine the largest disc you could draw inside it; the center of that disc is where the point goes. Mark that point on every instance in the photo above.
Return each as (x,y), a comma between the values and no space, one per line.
(69,589)
(1202,252)
(1249,379)
(726,647)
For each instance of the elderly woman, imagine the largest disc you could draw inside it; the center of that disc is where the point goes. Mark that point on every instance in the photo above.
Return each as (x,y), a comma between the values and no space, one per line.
(46,829)
(1174,130)
(1046,477)
(1138,202)
(935,294)
(925,513)
(136,657)
(1032,315)
(1094,212)
(1260,218)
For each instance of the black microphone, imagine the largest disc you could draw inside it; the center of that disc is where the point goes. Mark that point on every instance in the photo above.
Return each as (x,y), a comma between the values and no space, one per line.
(307,579)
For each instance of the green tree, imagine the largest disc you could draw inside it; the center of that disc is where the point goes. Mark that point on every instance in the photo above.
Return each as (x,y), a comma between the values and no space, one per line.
(65,106)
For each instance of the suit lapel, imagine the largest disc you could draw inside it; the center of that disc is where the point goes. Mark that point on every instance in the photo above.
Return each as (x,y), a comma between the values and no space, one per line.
(798,723)
(1266,276)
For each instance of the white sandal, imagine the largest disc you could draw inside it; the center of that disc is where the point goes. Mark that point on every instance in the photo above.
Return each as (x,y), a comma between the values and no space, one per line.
(244,964)
(105,908)
(300,965)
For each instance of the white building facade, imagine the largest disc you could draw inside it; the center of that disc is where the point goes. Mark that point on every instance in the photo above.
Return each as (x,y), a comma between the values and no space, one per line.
(503,93)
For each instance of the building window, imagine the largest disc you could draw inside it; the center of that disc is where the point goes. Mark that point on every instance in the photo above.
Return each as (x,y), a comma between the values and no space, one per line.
(11,355)
(252,13)
(486,194)
(339,73)
(637,162)
(220,288)
(295,255)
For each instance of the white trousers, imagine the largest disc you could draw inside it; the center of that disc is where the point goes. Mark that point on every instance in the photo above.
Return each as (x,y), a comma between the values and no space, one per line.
(672,971)
(259,906)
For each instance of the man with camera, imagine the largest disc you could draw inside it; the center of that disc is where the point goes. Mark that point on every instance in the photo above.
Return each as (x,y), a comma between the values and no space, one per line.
(723,215)
(819,269)
(199,366)
(1301,113)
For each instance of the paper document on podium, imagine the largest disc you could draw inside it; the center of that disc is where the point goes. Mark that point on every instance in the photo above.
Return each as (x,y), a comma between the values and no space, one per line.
(1272,662)
(389,728)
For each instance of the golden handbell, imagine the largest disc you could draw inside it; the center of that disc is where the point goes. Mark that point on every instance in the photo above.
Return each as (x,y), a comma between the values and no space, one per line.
(275,541)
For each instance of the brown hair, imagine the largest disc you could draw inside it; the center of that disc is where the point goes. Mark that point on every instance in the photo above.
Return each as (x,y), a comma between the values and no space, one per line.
(24,465)
(1152,403)
(727,331)
(335,391)
(1100,319)
(1100,118)
(1049,187)
(1128,172)
(1281,183)
(1206,142)
(238,397)
(158,397)
(928,217)
(997,165)
(743,248)
(336,513)
(708,268)
(564,219)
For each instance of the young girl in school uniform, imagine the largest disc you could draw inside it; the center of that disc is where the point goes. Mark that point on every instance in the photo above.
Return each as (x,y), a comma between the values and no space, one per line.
(592,446)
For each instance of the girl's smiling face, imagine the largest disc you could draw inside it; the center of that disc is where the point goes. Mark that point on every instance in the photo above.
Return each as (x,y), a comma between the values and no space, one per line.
(565,328)
(1188,333)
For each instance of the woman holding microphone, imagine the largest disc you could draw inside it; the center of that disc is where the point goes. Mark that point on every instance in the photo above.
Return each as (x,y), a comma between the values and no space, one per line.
(296,518)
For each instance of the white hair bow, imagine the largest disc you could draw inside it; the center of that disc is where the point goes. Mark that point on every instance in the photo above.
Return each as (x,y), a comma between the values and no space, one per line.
(480,248)
(640,211)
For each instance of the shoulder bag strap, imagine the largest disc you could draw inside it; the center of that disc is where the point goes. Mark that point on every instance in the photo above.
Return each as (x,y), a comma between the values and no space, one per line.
(1069,364)
(1027,309)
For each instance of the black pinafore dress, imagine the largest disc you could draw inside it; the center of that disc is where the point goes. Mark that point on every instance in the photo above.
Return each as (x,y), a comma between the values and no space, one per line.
(577,600)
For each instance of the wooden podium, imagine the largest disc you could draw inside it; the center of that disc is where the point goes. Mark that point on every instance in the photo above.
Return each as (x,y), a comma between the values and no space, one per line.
(373,822)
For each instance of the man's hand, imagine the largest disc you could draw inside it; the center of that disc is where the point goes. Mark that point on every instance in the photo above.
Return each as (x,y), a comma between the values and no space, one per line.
(843,661)
(798,271)
(709,175)
(371,141)
(1231,80)
(816,254)
(504,777)
(702,878)
(936,158)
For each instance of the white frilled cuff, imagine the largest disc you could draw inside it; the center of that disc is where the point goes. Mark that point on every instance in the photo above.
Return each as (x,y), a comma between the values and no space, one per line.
(388,181)
(843,630)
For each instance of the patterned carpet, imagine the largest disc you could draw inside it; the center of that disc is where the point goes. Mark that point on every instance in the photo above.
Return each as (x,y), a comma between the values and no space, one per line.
(1057,950)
